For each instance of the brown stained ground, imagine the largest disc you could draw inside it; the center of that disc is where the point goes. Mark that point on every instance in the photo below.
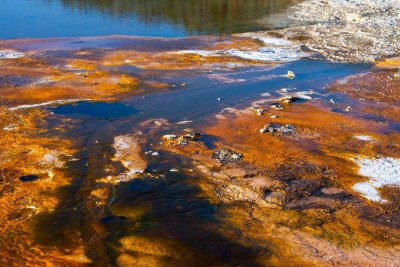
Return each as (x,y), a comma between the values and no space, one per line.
(27,149)
(33,81)
(54,220)
(306,227)
(57,72)
(378,91)
(171,60)
(289,201)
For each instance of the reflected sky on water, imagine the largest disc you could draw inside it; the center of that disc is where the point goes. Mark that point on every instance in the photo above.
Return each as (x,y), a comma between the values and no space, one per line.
(164,18)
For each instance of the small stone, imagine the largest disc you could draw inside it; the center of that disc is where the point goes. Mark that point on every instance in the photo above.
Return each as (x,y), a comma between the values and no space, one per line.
(169,137)
(277,106)
(258,111)
(192,136)
(348,109)
(152,153)
(225,154)
(182,141)
(268,128)
(286,99)
(288,128)
(290,75)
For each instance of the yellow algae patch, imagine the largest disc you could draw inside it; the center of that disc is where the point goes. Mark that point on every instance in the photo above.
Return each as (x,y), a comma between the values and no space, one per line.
(37,81)
(389,63)
(313,124)
(81,64)
(314,228)
(237,43)
(165,60)
(227,52)
(151,251)
(27,149)
(98,86)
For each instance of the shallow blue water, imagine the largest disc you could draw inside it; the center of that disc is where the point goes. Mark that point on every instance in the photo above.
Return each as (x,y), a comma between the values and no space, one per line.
(98,110)
(41,19)
(200,97)
(163,18)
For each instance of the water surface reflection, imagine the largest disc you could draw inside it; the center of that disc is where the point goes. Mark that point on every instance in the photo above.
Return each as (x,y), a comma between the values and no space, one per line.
(165,18)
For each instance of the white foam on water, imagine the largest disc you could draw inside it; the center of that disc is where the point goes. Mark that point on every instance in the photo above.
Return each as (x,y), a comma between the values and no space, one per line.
(384,171)
(273,40)
(275,50)
(10,54)
(203,53)
(49,103)
(269,54)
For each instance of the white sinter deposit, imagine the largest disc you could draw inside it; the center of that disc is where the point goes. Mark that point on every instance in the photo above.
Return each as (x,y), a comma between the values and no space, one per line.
(127,152)
(347,30)
(363,137)
(49,103)
(275,50)
(381,172)
(10,54)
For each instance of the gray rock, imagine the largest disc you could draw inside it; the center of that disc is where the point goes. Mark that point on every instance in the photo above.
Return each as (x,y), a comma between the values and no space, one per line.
(225,154)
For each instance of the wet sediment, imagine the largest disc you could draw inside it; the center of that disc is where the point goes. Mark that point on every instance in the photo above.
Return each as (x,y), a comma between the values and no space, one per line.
(270,181)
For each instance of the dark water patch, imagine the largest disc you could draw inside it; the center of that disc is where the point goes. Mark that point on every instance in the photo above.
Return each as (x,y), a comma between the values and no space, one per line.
(112,219)
(176,217)
(98,110)
(29,178)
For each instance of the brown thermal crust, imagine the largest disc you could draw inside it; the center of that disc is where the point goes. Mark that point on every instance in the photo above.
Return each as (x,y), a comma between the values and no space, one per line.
(43,76)
(32,81)
(378,91)
(27,149)
(342,227)
(305,228)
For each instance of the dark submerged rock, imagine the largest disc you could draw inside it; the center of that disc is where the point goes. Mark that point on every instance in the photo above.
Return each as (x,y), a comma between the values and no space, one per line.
(29,178)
